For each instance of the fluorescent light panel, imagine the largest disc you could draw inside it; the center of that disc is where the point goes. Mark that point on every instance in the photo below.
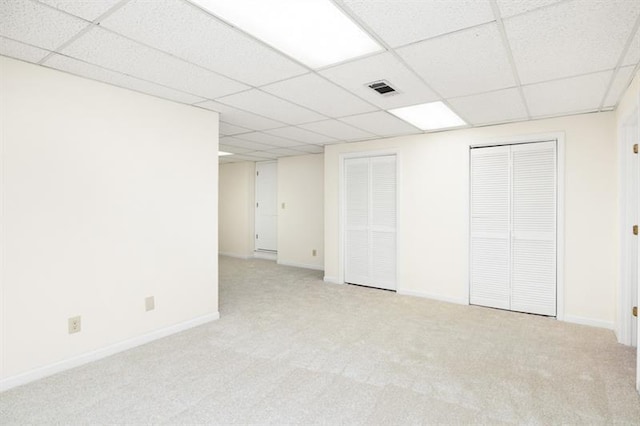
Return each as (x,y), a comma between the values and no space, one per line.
(315,32)
(431,116)
(222,153)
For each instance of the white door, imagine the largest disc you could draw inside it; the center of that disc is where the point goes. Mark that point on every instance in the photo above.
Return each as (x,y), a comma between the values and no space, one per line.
(370,221)
(490,227)
(267,206)
(513,227)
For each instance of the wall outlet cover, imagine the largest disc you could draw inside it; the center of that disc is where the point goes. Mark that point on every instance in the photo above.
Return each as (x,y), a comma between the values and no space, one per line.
(75,324)
(149,303)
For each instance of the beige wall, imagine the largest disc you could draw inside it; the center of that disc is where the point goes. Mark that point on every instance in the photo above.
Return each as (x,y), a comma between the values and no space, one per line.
(433,211)
(301,221)
(109,196)
(236,209)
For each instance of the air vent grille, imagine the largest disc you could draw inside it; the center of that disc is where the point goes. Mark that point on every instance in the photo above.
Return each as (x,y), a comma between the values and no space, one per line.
(382,87)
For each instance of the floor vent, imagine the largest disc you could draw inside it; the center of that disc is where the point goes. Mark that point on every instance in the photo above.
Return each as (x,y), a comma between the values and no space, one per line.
(383,87)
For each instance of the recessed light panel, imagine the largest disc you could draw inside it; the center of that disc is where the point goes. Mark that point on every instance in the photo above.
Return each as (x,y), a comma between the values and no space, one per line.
(315,32)
(431,116)
(222,153)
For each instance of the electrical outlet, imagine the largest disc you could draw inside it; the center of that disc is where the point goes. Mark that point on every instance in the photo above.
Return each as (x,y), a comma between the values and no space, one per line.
(283,206)
(75,324)
(150,303)
(314,252)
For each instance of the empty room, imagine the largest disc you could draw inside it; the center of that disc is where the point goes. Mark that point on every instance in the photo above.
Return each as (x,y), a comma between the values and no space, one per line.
(319,212)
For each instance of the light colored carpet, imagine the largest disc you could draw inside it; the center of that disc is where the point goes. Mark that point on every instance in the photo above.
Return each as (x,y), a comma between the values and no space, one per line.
(290,349)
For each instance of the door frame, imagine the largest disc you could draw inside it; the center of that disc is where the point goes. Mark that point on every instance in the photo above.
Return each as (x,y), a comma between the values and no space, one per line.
(342,211)
(625,290)
(559,138)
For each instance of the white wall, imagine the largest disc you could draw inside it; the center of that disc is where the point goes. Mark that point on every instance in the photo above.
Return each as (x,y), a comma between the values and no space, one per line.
(433,211)
(109,196)
(237,209)
(301,222)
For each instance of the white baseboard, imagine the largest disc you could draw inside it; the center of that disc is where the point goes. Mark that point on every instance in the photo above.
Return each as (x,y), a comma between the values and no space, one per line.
(433,296)
(589,321)
(66,364)
(265,255)
(332,280)
(236,255)
(301,265)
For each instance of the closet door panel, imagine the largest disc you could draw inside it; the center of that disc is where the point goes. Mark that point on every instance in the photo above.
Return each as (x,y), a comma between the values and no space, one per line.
(357,244)
(490,222)
(534,217)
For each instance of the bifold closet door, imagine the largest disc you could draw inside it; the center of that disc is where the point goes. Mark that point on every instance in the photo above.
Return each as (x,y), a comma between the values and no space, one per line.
(513,227)
(490,228)
(370,221)
(533,235)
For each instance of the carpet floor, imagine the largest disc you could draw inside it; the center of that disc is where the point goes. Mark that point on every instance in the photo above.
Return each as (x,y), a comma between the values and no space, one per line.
(291,349)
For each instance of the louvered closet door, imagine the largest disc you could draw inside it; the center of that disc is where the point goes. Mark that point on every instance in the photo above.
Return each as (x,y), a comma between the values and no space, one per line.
(356,245)
(490,228)
(533,281)
(370,221)
(513,227)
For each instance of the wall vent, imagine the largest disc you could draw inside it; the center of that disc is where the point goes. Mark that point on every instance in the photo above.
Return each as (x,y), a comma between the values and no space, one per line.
(382,87)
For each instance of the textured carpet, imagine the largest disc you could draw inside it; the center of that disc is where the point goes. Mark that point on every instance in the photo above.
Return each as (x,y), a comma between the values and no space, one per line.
(290,349)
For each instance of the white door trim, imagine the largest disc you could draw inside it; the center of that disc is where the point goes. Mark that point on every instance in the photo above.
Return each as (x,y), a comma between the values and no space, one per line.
(559,137)
(341,210)
(625,157)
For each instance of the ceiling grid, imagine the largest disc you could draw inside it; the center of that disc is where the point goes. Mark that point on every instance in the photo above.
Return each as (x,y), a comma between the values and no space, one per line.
(488,61)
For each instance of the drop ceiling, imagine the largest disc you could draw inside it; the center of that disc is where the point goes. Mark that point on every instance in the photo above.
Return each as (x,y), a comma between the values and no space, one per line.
(491,62)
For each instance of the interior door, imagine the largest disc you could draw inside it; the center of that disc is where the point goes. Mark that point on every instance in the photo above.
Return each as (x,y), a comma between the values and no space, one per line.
(266,216)
(370,221)
(490,227)
(514,227)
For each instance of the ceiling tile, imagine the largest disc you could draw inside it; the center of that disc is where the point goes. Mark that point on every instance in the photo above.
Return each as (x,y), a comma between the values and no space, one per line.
(492,107)
(511,7)
(117,53)
(380,123)
(399,22)
(316,93)
(189,33)
(37,24)
(620,84)
(241,143)
(285,152)
(310,149)
(83,69)
(251,157)
(570,95)
(355,75)
(633,54)
(88,10)
(21,51)
(298,134)
(241,118)
(233,149)
(338,130)
(230,129)
(268,139)
(270,106)
(480,63)
(570,38)
(266,154)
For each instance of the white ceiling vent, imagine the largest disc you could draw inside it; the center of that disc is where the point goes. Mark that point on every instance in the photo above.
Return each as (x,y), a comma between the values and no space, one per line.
(382,87)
